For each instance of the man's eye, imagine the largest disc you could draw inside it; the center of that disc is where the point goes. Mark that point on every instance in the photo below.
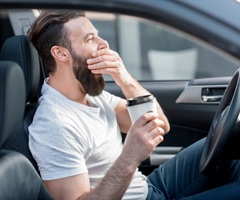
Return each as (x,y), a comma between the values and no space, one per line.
(89,39)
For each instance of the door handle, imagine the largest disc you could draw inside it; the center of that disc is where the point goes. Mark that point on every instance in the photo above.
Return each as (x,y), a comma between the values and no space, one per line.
(214,98)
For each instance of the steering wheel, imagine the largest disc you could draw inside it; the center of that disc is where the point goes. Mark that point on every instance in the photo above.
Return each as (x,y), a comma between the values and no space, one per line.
(221,129)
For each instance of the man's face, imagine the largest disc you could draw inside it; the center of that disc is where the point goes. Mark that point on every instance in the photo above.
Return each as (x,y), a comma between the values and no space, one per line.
(84,40)
(92,84)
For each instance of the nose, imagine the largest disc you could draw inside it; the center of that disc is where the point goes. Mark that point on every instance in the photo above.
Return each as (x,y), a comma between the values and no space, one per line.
(103,44)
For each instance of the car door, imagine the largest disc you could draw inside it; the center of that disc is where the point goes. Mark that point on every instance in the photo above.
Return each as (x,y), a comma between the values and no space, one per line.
(190,107)
(187,77)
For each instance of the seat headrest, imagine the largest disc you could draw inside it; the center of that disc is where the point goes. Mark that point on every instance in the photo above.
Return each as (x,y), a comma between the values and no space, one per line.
(21,51)
(12,100)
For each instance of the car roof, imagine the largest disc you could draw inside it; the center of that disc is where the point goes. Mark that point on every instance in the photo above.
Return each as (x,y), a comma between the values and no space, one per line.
(228,11)
(212,21)
(225,10)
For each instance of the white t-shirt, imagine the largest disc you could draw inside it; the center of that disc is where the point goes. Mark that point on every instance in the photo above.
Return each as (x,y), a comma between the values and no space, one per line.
(67,138)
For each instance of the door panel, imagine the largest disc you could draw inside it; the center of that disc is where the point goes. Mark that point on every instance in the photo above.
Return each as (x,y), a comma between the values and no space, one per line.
(190,117)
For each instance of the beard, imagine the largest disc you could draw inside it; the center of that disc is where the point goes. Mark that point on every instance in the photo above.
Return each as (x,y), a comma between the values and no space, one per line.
(91,83)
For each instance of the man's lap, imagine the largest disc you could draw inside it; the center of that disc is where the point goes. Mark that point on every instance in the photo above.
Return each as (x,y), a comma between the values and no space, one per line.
(180,176)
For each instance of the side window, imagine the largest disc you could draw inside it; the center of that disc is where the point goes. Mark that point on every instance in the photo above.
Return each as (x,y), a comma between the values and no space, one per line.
(153,51)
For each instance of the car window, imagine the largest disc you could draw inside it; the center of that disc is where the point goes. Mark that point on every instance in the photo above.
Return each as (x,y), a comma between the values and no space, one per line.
(153,51)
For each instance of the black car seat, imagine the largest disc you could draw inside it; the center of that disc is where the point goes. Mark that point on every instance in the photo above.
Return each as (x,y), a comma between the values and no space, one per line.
(19,50)
(18,178)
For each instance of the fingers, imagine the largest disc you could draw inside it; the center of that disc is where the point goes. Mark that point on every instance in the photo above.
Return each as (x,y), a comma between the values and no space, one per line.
(143,136)
(105,51)
(103,55)
(104,58)
(104,61)
(148,117)
(154,131)
(104,67)
(152,127)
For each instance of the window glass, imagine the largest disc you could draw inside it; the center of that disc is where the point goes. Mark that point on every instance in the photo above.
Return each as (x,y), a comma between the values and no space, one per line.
(153,51)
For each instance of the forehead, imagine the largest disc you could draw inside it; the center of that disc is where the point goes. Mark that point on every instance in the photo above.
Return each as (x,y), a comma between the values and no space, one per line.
(80,27)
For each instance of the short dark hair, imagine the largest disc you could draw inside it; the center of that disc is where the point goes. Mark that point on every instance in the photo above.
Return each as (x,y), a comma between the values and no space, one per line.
(48,30)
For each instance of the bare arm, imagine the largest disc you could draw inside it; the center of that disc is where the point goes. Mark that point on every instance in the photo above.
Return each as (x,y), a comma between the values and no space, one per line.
(106,61)
(145,134)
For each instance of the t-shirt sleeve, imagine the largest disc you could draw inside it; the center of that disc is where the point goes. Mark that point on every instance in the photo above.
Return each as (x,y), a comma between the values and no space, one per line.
(111,99)
(56,145)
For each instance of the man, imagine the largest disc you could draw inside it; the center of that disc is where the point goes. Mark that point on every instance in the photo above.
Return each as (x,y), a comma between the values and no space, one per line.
(75,135)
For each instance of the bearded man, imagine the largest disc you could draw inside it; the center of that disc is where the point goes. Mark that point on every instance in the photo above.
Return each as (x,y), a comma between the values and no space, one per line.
(75,136)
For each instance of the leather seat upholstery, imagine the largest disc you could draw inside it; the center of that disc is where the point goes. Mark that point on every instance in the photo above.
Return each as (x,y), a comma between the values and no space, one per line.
(18,178)
(12,100)
(19,50)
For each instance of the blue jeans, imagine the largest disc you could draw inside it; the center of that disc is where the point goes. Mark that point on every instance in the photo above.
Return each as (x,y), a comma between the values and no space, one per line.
(179,178)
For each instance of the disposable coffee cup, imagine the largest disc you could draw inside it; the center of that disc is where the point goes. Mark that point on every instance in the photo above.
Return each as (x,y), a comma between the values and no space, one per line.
(138,106)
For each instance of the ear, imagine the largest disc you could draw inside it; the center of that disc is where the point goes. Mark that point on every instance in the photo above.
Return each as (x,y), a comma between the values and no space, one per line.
(60,53)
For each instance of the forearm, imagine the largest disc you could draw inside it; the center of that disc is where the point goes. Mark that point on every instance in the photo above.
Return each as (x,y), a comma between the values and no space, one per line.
(131,88)
(106,61)
(114,184)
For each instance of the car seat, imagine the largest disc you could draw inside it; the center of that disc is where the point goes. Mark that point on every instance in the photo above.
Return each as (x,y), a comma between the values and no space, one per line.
(18,178)
(19,50)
